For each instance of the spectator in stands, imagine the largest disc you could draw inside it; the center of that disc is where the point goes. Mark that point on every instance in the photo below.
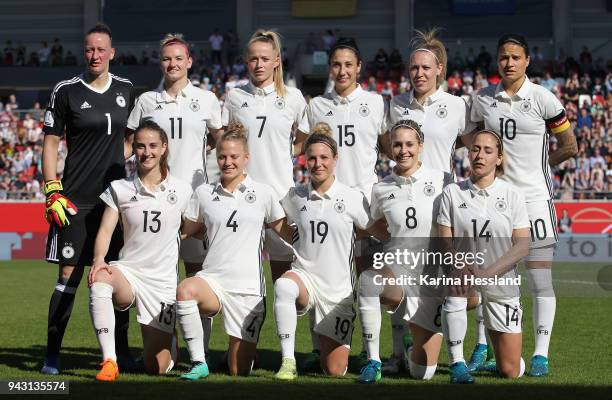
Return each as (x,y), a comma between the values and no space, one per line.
(44,53)
(72,60)
(57,52)
(9,53)
(484,59)
(586,60)
(470,59)
(584,119)
(455,84)
(216,46)
(396,63)
(329,39)
(548,82)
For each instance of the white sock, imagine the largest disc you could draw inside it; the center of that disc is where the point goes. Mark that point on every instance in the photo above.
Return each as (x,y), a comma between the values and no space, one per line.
(481,336)
(521,368)
(398,330)
(544,307)
(314,337)
(207,323)
(422,372)
(369,315)
(191,326)
(103,317)
(286,292)
(454,326)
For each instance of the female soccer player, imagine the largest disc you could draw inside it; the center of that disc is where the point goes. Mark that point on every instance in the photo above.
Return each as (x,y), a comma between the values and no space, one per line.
(187,113)
(149,206)
(321,278)
(233,212)
(358,120)
(487,217)
(91,110)
(524,114)
(270,112)
(443,118)
(404,205)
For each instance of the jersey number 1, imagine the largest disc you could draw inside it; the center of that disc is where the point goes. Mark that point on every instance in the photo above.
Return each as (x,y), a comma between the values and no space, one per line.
(108,123)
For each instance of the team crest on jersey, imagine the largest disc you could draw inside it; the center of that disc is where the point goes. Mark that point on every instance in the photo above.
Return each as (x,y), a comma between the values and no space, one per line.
(526,106)
(194,105)
(364,110)
(68,251)
(429,189)
(279,103)
(120,100)
(250,197)
(501,205)
(441,112)
(172,197)
(339,206)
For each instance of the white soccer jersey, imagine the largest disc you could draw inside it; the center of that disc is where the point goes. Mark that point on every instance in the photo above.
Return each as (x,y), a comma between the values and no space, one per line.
(522,121)
(488,216)
(234,226)
(269,120)
(410,205)
(151,221)
(325,224)
(185,120)
(357,121)
(442,118)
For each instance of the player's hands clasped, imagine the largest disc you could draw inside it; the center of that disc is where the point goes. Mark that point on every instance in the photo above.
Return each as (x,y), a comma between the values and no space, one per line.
(57,204)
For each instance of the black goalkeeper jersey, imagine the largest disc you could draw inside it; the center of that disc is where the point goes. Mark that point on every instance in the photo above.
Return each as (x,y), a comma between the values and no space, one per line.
(94,122)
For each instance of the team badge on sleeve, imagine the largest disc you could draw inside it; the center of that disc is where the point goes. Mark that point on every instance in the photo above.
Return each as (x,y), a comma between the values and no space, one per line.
(194,105)
(429,189)
(120,100)
(250,197)
(441,112)
(279,103)
(501,205)
(525,105)
(49,121)
(364,110)
(339,206)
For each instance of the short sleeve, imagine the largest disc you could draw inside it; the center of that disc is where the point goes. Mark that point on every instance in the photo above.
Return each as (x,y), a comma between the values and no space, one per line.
(285,203)
(475,110)
(300,109)
(132,98)
(214,122)
(226,111)
(444,216)
(376,211)
(361,213)
(109,197)
(553,112)
(193,212)
(57,112)
(467,125)
(382,128)
(135,115)
(520,218)
(305,122)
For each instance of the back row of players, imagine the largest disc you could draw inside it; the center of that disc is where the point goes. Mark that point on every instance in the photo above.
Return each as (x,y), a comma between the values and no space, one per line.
(265,125)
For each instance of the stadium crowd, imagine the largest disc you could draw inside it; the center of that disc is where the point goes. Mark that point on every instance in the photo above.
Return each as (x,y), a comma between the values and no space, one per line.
(584,87)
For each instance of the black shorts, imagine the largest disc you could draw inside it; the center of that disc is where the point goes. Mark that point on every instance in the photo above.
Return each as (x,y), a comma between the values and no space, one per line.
(74,244)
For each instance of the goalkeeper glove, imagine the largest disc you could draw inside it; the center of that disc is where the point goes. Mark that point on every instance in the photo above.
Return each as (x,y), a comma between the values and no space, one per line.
(57,204)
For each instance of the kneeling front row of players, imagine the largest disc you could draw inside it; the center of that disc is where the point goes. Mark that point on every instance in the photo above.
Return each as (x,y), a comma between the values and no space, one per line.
(321,220)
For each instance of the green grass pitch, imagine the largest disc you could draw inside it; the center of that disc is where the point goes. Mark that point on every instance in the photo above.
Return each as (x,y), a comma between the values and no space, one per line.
(580,355)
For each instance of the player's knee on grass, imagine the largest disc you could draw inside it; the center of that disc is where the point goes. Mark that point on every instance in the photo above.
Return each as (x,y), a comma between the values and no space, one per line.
(509,368)
(334,367)
(421,372)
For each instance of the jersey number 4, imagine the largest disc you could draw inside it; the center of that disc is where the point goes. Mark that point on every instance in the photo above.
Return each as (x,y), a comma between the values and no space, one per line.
(231,223)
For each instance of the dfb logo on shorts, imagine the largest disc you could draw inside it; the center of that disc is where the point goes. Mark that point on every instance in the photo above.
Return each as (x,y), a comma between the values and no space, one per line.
(68,251)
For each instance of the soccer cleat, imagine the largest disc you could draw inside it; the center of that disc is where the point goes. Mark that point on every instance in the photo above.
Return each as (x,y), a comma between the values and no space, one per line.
(478,358)
(459,374)
(539,366)
(197,371)
(488,366)
(51,366)
(394,365)
(109,371)
(370,373)
(312,362)
(287,371)
(127,363)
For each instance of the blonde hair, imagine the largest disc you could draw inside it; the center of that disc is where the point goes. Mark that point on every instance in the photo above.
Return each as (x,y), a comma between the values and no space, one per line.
(322,128)
(235,132)
(322,133)
(273,38)
(428,41)
(173,38)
